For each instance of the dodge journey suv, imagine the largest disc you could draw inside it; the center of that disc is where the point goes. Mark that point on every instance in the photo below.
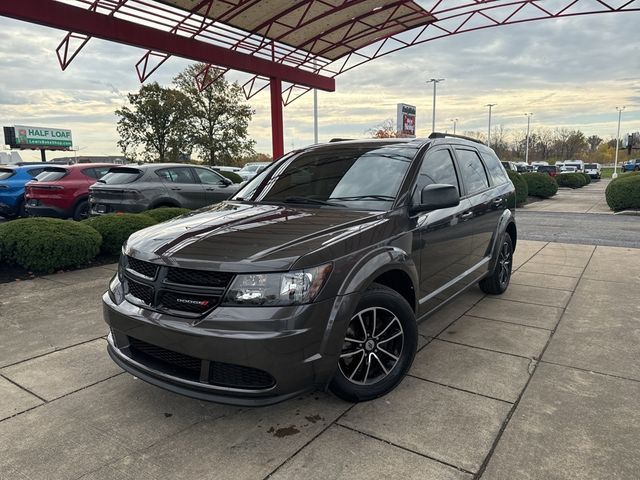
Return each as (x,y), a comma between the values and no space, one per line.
(314,274)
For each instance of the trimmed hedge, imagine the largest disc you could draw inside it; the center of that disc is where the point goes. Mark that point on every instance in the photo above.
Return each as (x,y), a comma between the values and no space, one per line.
(115,229)
(571,180)
(163,214)
(587,178)
(234,177)
(624,192)
(522,190)
(48,244)
(540,184)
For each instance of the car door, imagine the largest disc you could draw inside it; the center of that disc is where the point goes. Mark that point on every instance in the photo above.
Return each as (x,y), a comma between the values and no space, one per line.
(183,187)
(486,207)
(215,185)
(445,235)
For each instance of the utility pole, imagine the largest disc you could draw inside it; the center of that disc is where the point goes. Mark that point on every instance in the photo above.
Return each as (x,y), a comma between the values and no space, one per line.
(615,164)
(435,82)
(526,150)
(490,105)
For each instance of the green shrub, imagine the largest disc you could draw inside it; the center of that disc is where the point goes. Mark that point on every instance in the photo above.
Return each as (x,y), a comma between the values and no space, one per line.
(587,178)
(571,180)
(234,177)
(540,184)
(522,191)
(48,244)
(163,214)
(115,228)
(624,192)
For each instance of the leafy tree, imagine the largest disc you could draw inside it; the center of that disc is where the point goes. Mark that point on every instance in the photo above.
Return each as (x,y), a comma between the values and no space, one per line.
(219,117)
(154,124)
(594,141)
(386,129)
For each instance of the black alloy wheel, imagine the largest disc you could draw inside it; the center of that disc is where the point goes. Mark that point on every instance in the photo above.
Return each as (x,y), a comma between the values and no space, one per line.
(378,347)
(498,280)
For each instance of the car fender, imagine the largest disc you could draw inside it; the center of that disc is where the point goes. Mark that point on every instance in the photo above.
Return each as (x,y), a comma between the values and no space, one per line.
(506,218)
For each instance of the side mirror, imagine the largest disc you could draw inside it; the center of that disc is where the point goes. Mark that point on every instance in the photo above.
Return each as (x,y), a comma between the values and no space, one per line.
(226,181)
(436,196)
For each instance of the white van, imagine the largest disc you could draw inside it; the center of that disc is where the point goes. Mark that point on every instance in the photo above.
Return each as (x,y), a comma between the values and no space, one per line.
(594,170)
(579,164)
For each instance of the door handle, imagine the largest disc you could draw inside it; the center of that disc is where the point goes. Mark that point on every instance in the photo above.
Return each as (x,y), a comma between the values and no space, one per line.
(466,215)
(176,188)
(497,201)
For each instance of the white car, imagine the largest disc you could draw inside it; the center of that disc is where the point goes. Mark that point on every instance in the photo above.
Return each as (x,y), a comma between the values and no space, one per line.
(250,170)
(568,169)
(594,170)
(222,168)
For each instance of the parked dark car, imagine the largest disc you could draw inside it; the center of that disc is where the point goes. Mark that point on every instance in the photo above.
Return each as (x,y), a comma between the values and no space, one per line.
(631,165)
(142,187)
(63,191)
(12,182)
(550,170)
(315,274)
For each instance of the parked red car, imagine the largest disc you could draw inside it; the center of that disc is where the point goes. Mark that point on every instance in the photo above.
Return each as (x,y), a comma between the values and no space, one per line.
(63,190)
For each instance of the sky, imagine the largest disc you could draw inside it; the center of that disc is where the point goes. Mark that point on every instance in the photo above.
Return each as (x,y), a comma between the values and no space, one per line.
(570,73)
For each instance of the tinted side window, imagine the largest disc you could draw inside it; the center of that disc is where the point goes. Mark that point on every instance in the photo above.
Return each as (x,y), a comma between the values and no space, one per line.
(34,172)
(437,167)
(176,175)
(96,172)
(495,169)
(208,177)
(472,171)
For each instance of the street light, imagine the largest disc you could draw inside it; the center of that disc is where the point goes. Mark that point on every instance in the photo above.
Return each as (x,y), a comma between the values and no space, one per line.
(526,149)
(435,82)
(455,121)
(490,105)
(615,164)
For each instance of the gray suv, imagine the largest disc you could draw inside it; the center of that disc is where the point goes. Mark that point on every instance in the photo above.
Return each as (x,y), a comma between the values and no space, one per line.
(135,188)
(315,274)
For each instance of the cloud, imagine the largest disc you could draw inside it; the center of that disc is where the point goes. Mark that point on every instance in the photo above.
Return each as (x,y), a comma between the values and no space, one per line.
(564,71)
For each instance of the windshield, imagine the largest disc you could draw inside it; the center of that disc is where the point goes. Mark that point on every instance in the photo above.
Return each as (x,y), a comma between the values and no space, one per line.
(5,173)
(356,177)
(51,174)
(591,165)
(118,176)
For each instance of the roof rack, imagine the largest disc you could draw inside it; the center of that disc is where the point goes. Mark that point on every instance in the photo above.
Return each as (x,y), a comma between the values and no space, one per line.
(446,135)
(334,140)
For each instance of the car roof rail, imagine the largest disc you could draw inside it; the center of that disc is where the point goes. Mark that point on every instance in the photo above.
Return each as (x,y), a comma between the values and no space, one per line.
(334,140)
(463,137)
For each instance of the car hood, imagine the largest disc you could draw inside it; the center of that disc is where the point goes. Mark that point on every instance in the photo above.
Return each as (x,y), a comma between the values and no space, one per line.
(240,237)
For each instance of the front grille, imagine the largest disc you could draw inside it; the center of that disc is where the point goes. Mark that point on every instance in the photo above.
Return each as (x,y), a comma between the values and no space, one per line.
(141,292)
(143,268)
(199,277)
(190,368)
(237,376)
(188,303)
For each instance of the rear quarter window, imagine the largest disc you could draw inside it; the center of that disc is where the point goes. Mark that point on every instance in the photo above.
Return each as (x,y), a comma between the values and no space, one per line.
(6,173)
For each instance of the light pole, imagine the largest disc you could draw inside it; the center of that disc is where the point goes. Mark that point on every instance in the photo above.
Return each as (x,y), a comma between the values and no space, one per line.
(526,148)
(615,163)
(315,111)
(490,105)
(435,82)
(455,121)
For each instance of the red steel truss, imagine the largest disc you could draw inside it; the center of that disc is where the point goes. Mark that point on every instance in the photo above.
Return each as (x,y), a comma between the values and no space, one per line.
(293,45)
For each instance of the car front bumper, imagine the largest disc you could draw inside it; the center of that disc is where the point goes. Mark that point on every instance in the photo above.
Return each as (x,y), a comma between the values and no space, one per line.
(249,356)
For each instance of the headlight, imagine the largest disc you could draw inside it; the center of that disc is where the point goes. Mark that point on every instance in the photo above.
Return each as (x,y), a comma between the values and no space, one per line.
(116,290)
(289,288)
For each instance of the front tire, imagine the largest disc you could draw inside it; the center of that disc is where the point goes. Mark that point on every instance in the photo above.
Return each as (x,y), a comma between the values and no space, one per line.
(378,348)
(498,280)
(81,211)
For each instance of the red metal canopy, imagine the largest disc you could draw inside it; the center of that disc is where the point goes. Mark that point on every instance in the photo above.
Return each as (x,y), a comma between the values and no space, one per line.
(294,45)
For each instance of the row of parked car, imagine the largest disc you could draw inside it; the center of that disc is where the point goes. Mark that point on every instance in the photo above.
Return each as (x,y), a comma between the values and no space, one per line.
(594,170)
(80,190)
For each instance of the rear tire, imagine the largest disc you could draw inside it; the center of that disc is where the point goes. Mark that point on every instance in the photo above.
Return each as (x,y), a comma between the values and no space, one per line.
(379,346)
(498,280)
(81,211)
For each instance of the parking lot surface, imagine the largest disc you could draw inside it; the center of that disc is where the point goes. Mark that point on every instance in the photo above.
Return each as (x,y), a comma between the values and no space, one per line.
(588,199)
(542,382)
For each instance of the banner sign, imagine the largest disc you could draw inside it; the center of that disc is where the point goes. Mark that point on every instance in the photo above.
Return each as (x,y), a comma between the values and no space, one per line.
(406,120)
(42,137)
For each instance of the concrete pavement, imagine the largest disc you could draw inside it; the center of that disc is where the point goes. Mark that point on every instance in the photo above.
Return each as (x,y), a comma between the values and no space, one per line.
(542,382)
(588,199)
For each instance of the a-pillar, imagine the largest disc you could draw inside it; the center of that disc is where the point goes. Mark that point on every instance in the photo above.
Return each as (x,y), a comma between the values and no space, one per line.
(277,121)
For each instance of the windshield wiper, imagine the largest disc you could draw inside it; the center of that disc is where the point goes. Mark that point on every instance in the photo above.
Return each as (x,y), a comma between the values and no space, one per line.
(382,198)
(312,201)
